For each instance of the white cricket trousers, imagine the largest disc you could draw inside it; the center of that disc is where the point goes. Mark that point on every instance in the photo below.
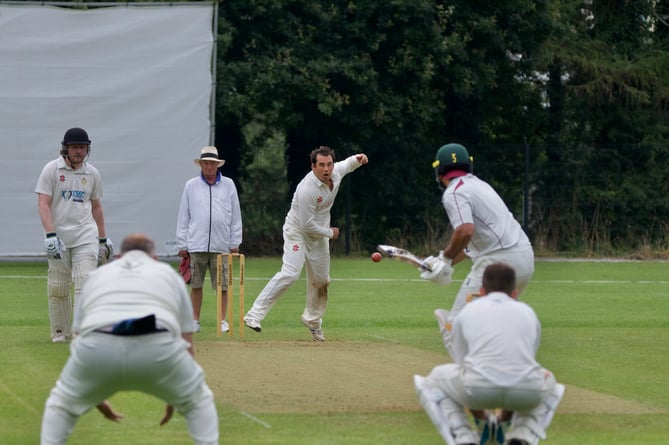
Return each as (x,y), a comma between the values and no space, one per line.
(299,251)
(533,400)
(158,364)
(521,259)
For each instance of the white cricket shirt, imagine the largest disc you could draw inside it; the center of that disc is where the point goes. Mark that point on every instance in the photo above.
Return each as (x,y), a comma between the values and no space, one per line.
(468,199)
(71,193)
(497,338)
(133,286)
(310,208)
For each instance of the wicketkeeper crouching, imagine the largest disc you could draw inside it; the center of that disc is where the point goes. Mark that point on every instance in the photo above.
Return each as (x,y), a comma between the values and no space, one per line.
(494,342)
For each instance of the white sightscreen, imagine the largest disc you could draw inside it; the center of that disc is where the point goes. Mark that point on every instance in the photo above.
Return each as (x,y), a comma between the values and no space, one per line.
(138,79)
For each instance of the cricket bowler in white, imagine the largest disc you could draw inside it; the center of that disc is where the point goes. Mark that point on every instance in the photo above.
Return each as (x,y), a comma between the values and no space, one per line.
(133,326)
(306,240)
(69,193)
(495,340)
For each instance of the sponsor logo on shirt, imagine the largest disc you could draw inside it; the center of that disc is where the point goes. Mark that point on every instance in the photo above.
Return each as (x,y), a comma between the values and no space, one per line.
(74,195)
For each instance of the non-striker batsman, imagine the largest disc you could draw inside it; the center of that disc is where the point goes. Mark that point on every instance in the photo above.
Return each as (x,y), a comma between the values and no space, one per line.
(69,192)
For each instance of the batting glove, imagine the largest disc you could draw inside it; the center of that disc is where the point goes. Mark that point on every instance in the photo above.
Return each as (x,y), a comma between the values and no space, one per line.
(441,270)
(53,246)
(106,250)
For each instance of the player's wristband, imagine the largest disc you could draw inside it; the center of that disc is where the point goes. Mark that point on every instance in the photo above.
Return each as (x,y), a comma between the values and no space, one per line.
(51,235)
(103,240)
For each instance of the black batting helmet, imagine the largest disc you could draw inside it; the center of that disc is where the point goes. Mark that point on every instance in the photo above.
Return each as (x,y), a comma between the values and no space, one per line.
(75,136)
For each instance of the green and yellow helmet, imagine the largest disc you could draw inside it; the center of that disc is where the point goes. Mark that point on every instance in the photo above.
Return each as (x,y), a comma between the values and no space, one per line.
(451,157)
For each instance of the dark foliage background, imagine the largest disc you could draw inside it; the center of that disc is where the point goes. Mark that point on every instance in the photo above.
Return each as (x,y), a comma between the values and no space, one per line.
(563,104)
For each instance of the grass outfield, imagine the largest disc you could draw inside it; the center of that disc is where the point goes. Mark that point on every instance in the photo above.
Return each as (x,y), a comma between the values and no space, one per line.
(605,335)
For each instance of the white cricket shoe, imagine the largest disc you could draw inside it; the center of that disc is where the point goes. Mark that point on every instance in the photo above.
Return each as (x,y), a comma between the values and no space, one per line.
(252,323)
(224,326)
(59,338)
(315,329)
(317,335)
(196,325)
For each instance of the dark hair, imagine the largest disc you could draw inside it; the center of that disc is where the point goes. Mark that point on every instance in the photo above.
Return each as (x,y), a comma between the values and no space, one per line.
(323,150)
(499,277)
(138,241)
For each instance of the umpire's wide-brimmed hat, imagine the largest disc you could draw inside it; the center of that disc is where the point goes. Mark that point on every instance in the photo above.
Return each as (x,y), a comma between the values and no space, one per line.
(209,153)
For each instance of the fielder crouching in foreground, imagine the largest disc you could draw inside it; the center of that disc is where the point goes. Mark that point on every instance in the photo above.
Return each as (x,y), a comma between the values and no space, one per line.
(133,327)
(494,344)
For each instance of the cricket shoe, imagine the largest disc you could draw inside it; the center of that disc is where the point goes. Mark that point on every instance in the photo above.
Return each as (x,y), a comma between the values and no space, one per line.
(224,326)
(315,329)
(317,335)
(59,338)
(252,323)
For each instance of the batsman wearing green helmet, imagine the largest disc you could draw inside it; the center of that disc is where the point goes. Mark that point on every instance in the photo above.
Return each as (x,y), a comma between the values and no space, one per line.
(484,230)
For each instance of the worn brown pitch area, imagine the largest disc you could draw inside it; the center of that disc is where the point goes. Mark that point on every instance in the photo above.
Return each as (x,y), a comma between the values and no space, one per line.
(336,377)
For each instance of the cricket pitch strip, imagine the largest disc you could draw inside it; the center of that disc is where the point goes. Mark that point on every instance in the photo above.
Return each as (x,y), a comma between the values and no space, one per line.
(286,377)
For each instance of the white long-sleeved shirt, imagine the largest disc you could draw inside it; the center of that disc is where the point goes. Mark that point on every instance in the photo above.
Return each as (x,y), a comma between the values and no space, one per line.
(468,199)
(309,212)
(210,218)
(497,338)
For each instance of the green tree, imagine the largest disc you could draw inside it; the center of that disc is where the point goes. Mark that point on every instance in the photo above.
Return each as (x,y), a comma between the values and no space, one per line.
(396,80)
(606,94)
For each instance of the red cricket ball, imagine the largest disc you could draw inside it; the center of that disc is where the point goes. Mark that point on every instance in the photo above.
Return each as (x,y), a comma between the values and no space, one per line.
(376,257)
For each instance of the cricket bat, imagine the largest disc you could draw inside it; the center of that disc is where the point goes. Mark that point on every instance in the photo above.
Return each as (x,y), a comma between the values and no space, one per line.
(400,254)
